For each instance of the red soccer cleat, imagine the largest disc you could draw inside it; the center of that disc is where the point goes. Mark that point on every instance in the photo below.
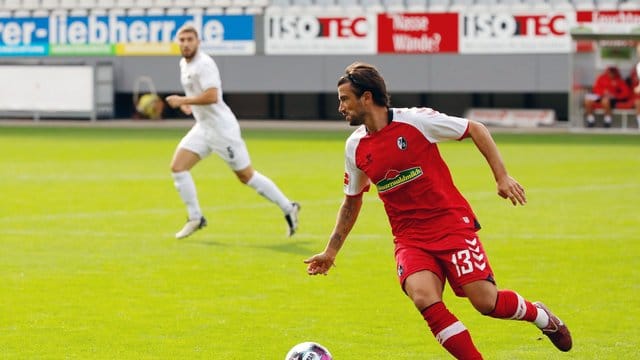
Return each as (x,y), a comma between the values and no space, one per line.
(556,330)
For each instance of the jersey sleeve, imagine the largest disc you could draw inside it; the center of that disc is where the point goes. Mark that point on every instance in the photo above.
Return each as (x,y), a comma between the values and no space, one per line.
(209,75)
(436,126)
(355,180)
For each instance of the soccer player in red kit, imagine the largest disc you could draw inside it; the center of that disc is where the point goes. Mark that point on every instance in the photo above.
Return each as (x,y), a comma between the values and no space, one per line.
(434,228)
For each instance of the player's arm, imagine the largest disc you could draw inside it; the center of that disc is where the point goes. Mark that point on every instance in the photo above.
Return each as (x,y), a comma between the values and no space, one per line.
(347,215)
(508,187)
(206,97)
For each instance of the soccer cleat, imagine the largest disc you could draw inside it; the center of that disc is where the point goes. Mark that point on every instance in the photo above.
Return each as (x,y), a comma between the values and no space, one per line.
(556,330)
(190,227)
(292,219)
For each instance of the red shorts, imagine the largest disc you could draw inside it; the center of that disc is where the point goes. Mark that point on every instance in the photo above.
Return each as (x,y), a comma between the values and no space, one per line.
(458,258)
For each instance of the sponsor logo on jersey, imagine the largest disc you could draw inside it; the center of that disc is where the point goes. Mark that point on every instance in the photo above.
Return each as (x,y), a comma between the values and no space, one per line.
(395,178)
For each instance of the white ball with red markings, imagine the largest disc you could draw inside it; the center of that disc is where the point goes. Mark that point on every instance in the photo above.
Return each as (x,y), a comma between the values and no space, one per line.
(308,351)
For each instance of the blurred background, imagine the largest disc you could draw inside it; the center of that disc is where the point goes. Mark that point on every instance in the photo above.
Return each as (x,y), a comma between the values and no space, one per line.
(280,59)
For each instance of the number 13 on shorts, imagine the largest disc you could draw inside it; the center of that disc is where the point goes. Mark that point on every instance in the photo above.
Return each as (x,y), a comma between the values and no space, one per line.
(469,259)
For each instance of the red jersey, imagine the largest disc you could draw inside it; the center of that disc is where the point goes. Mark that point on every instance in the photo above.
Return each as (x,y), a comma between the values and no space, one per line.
(615,87)
(412,179)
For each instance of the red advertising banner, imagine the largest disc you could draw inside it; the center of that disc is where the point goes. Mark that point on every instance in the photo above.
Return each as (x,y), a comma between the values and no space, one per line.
(605,22)
(417,33)
(610,21)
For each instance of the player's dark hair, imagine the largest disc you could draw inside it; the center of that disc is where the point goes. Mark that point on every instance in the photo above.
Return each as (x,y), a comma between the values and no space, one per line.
(364,77)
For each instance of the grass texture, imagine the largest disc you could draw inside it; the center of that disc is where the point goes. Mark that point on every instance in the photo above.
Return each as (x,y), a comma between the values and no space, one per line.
(89,267)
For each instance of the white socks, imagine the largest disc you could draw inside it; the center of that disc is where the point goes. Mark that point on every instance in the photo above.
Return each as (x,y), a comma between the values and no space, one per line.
(262,184)
(542,319)
(267,188)
(187,190)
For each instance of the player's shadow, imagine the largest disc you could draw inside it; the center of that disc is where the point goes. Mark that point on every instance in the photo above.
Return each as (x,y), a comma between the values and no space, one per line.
(294,247)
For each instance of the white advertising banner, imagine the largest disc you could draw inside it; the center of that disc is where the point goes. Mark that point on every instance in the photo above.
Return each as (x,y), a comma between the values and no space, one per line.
(512,117)
(41,88)
(318,34)
(508,33)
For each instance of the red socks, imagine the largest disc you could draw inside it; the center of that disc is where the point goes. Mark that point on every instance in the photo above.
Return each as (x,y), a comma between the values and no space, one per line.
(450,332)
(455,337)
(510,305)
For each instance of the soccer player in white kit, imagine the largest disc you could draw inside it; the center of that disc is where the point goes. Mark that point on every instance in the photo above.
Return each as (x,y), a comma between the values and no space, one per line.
(216,130)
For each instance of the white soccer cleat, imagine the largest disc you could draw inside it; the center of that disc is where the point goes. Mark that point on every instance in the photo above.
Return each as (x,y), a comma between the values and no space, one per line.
(190,227)
(292,219)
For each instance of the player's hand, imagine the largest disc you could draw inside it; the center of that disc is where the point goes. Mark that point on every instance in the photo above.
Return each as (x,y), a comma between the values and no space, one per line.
(186,109)
(319,264)
(509,188)
(174,100)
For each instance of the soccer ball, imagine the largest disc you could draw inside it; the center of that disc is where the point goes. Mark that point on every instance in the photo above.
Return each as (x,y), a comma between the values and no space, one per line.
(308,351)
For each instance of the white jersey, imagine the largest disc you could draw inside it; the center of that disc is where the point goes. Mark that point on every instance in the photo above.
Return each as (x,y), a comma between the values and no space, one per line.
(217,129)
(198,75)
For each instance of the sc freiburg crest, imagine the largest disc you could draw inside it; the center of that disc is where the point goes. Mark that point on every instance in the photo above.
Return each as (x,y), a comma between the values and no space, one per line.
(402,143)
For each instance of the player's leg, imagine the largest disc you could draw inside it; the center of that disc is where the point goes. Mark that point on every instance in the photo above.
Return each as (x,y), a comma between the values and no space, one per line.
(234,152)
(607,105)
(191,149)
(589,104)
(637,106)
(268,189)
(507,304)
(422,280)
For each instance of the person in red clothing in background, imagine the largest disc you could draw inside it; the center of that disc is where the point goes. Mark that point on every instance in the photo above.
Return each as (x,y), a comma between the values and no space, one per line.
(634,78)
(608,89)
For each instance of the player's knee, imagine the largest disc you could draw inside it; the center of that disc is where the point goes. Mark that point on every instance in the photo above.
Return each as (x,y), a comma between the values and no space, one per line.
(245,174)
(484,306)
(423,300)
(177,169)
(482,295)
(243,177)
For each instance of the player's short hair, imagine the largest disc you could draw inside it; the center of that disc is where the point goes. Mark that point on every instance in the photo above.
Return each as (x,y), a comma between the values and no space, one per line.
(365,77)
(188,29)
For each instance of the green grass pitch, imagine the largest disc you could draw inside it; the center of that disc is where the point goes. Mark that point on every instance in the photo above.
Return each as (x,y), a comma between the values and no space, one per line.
(89,268)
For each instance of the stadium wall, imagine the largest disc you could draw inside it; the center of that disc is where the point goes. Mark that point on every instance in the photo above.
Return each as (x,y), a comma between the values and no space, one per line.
(274,76)
(303,86)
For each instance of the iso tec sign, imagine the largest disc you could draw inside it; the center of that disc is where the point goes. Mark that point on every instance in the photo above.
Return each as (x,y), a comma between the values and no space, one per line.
(316,34)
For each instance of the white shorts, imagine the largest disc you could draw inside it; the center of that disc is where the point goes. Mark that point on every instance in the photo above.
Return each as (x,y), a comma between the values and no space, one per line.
(228,145)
